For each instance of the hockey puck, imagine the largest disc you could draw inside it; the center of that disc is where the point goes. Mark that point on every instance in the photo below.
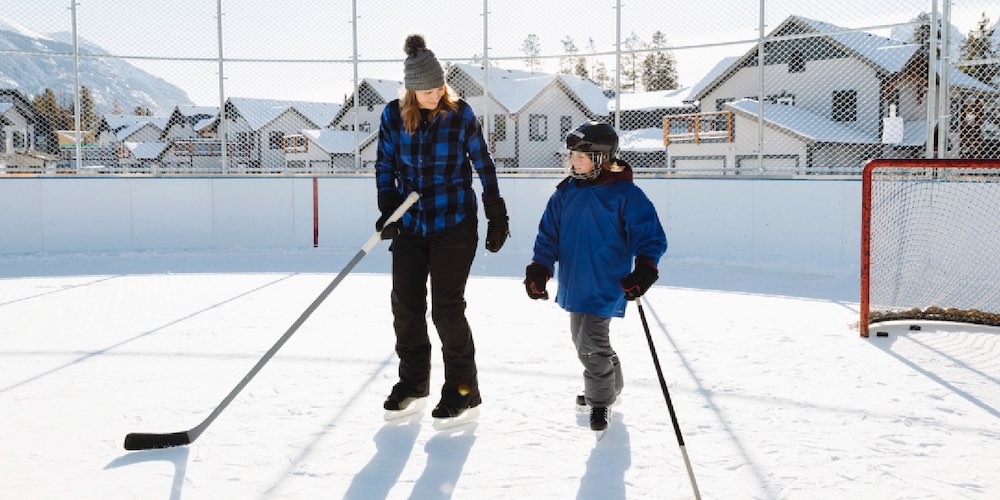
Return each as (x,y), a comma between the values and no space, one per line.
(881,334)
(915,327)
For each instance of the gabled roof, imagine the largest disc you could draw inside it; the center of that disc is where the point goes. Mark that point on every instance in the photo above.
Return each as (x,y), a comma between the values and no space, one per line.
(515,89)
(260,112)
(122,126)
(804,124)
(512,88)
(385,90)
(714,73)
(887,55)
(337,141)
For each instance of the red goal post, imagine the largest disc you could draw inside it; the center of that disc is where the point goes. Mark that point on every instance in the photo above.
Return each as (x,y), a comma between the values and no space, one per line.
(930,241)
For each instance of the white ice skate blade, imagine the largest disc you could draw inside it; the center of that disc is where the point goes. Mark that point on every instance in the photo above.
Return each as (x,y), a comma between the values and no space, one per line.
(467,417)
(415,406)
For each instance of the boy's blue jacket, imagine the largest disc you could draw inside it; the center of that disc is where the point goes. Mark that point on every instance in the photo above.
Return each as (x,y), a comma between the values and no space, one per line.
(594,230)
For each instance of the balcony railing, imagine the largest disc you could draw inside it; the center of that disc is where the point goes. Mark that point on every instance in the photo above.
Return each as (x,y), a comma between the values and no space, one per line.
(698,127)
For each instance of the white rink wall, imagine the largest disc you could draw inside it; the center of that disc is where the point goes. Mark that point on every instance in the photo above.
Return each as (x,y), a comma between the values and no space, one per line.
(814,223)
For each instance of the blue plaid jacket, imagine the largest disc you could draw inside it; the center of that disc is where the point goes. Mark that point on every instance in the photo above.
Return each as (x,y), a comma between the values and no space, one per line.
(437,162)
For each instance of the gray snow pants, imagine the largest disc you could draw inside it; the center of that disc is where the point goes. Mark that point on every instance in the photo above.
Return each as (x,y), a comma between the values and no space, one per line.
(602,372)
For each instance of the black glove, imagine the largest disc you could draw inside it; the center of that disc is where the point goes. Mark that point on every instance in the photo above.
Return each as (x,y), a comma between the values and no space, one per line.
(497,229)
(640,279)
(388,202)
(535,276)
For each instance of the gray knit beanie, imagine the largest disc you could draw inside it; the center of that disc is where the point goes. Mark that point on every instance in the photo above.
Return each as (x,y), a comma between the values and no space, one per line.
(421,70)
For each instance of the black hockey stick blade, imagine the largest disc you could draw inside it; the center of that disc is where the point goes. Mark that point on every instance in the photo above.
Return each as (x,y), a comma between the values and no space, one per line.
(150,441)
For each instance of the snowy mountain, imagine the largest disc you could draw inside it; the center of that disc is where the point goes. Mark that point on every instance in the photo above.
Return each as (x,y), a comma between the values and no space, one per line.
(109,80)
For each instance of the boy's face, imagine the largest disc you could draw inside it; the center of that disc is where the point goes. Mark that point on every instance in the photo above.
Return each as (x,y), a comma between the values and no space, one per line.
(581,162)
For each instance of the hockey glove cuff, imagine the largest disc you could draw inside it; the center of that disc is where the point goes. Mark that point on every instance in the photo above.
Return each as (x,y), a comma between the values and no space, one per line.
(640,279)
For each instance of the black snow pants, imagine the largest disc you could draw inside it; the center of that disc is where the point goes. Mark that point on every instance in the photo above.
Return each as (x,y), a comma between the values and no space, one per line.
(446,257)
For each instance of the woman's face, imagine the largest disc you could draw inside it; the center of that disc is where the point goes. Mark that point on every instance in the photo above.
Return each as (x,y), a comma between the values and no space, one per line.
(581,162)
(428,99)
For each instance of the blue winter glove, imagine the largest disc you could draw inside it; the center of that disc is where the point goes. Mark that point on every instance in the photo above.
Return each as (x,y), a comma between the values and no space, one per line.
(640,279)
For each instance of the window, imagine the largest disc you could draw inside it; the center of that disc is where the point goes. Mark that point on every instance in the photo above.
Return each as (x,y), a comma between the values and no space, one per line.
(275,139)
(3,141)
(565,125)
(296,144)
(538,128)
(18,139)
(500,128)
(845,106)
(796,63)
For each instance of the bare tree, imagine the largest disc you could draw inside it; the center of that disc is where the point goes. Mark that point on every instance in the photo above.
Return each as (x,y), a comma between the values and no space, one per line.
(531,48)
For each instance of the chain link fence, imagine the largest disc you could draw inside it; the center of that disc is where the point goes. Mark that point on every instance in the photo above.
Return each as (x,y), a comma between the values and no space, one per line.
(227,87)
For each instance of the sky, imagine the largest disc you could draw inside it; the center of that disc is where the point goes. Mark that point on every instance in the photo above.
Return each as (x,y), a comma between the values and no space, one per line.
(775,395)
(320,32)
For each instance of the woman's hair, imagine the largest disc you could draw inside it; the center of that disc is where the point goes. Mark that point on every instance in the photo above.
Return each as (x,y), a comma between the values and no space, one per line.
(410,108)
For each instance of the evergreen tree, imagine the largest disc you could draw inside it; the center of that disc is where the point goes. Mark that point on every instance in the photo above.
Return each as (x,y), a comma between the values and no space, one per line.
(531,48)
(55,116)
(142,111)
(88,118)
(978,47)
(601,76)
(659,69)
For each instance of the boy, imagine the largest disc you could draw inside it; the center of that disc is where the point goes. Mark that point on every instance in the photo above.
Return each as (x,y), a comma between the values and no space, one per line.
(595,223)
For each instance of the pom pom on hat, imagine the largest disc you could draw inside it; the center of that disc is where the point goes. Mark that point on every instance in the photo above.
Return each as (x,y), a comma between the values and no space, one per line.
(421,70)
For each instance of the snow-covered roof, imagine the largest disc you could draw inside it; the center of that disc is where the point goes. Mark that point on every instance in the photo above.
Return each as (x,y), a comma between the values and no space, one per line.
(204,123)
(192,110)
(587,93)
(512,88)
(661,99)
(890,55)
(644,139)
(260,112)
(386,89)
(805,124)
(146,150)
(336,141)
(716,71)
(4,106)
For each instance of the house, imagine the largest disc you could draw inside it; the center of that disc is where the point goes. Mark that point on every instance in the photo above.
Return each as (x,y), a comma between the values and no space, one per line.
(641,118)
(530,112)
(328,150)
(189,121)
(373,95)
(255,129)
(824,103)
(25,135)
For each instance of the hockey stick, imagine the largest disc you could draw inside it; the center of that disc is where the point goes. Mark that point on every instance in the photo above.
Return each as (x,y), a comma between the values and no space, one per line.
(147,441)
(670,405)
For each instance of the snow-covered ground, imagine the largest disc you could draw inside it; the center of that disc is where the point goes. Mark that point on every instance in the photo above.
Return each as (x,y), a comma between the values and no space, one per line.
(776,396)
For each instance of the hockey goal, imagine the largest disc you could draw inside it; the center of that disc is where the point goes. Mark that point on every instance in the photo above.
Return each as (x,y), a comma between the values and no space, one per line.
(930,241)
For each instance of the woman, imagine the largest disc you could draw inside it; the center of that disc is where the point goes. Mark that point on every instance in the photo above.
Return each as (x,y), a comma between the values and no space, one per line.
(429,142)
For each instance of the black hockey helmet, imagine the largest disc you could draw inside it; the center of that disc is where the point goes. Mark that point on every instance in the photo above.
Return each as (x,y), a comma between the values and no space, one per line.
(593,137)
